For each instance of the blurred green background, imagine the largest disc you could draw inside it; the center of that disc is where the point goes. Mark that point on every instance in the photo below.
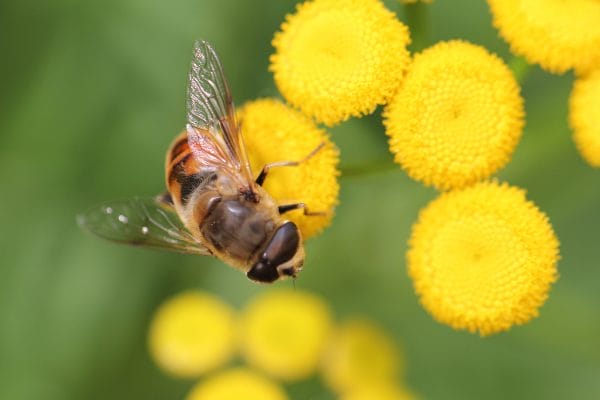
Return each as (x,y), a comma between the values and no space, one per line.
(91,95)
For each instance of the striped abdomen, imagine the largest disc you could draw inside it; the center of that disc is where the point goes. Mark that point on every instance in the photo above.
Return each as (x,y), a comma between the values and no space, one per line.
(182,173)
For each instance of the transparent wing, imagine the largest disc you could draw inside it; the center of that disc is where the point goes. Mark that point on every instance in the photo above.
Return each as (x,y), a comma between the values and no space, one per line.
(210,111)
(143,222)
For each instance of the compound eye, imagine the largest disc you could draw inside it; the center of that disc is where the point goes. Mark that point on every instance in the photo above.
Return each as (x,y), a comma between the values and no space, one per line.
(263,272)
(283,245)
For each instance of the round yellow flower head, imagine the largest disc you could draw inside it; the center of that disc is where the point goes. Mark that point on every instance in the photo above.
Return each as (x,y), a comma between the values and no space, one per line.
(584,115)
(556,34)
(237,384)
(381,391)
(457,117)
(483,258)
(283,332)
(191,334)
(274,132)
(339,58)
(360,354)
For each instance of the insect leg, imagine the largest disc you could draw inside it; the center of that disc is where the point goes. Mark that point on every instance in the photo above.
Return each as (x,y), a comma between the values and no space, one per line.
(289,207)
(263,174)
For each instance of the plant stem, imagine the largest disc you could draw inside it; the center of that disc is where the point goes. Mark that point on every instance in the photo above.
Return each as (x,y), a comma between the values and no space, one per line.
(520,68)
(367,169)
(417,16)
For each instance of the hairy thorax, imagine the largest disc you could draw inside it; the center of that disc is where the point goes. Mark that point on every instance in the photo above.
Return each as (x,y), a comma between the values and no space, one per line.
(237,228)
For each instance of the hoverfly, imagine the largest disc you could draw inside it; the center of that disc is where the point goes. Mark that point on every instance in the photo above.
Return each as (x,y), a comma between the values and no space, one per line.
(213,205)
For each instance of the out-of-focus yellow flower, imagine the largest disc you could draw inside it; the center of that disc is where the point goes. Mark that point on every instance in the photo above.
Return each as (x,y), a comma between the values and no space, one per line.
(483,258)
(274,132)
(237,384)
(456,118)
(360,354)
(556,34)
(283,332)
(584,115)
(339,58)
(382,391)
(191,334)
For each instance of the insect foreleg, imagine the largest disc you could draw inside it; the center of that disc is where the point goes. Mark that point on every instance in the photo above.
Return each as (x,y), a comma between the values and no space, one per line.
(263,174)
(289,207)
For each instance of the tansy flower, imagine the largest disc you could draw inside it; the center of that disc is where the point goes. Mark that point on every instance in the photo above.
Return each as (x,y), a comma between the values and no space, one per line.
(456,118)
(556,34)
(283,332)
(360,354)
(237,384)
(274,132)
(339,58)
(191,334)
(482,258)
(381,391)
(584,116)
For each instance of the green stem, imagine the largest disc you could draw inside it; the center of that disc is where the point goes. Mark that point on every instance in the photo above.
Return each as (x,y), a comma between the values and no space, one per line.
(367,169)
(520,68)
(417,16)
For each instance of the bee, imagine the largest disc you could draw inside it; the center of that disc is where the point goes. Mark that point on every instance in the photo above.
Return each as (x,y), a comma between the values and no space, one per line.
(213,206)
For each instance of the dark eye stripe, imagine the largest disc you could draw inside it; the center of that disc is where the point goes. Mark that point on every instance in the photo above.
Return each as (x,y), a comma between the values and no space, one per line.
(282,246)
(265,273)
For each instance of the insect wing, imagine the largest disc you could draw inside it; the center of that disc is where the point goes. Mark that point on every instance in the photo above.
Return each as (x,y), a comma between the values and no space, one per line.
(211,113)
(143,222)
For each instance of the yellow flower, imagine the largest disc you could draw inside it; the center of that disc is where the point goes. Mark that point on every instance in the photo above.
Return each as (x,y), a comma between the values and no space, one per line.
(360,354)
(386,391)
(191,334)
(556,34)
(237,384)
(274,132)
(339,58)
(283,332)
(483,258)
(457,117)
(584,115)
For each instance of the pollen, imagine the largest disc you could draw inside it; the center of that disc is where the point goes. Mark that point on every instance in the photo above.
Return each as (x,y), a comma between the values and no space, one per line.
(339,58)
(237,384)
(556,34)
(283,333)
(360,354)
(483,258)
(274,132)
(584,116)
(457,117)
(192,334)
